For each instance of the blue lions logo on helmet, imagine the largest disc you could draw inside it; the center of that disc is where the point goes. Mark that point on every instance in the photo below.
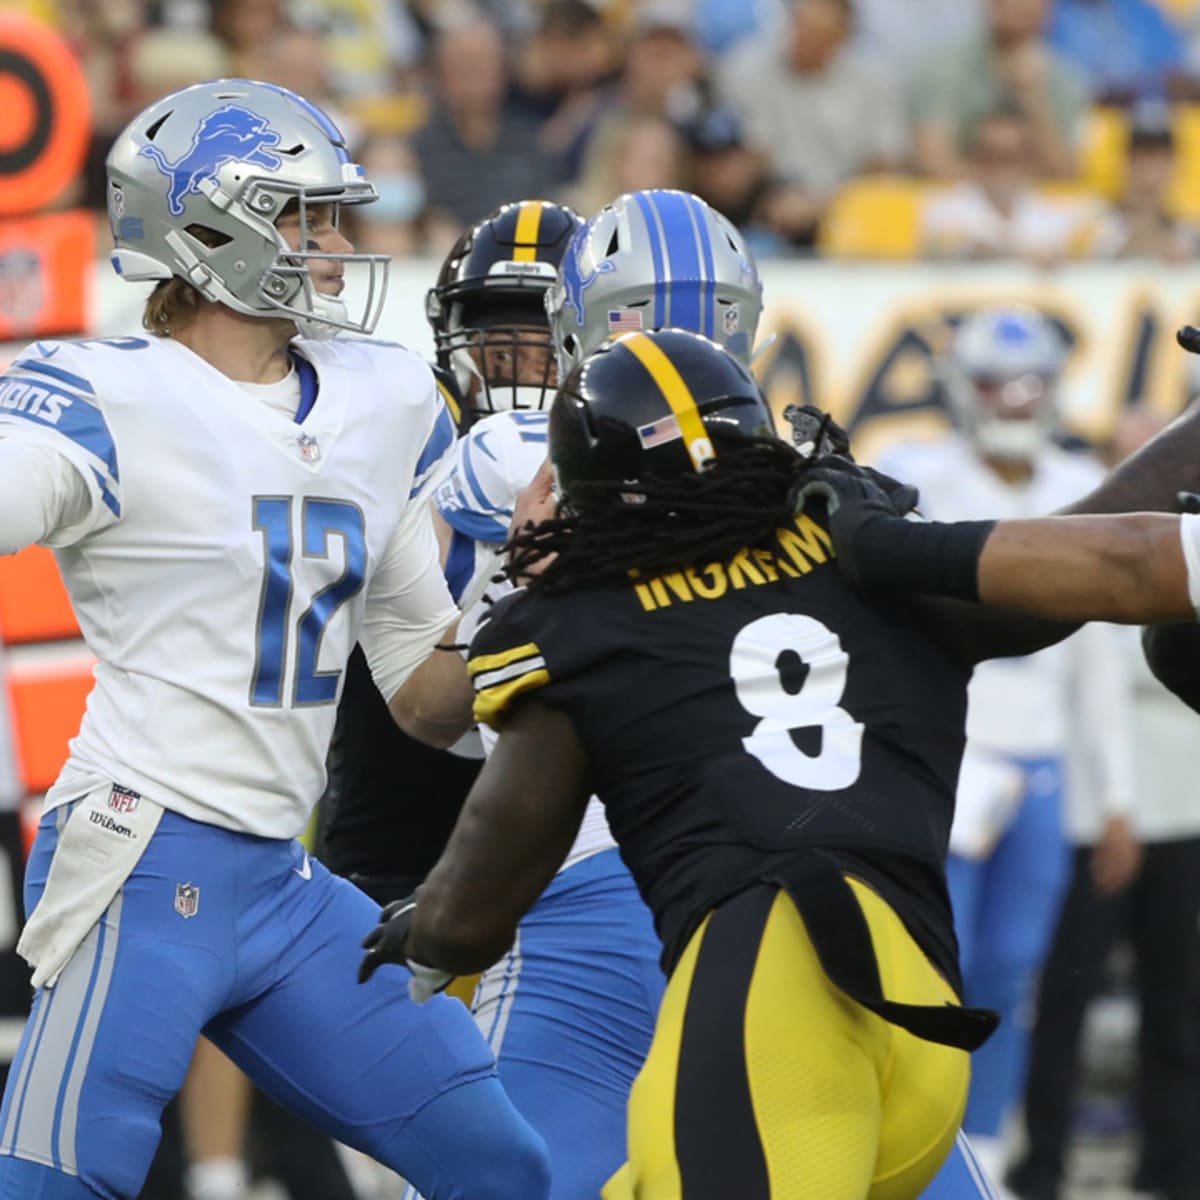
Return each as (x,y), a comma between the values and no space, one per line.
(231,134)
(574,280)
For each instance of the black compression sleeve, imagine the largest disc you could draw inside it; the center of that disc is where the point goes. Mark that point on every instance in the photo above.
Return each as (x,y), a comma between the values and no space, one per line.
(932,557)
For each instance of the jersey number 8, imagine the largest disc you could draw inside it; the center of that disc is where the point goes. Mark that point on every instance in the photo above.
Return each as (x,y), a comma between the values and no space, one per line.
(790,670)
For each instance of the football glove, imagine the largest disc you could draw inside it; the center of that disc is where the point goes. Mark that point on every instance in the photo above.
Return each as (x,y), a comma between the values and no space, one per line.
(386,944)
(815,433)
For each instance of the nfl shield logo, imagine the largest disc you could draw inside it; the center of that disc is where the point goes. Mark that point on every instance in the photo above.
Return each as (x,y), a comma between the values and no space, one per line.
(187,899)
(732,318)
(309,450)
(123,800)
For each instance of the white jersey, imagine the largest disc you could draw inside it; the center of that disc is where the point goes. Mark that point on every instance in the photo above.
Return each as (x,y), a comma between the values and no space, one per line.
(492,463)
(1071,698)
(229,558)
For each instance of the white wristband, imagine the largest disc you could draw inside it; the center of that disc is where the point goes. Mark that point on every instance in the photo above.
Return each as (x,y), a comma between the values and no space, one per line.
(1189,536)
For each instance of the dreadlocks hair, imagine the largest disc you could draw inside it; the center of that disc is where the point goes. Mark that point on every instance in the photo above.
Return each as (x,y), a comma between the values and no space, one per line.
(614,530)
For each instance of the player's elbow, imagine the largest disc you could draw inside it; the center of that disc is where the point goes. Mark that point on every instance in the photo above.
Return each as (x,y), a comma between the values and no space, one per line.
(437,721)
(1141,564)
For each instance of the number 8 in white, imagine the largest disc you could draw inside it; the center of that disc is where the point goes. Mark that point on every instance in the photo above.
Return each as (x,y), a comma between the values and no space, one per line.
(755,664)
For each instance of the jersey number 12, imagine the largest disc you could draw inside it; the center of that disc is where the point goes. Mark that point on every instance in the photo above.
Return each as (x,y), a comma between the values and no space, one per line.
(278,638)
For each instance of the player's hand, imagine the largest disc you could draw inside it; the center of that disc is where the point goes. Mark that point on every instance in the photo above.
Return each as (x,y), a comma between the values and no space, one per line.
(857,499)
(387,943)
(1116,857)
(815,433)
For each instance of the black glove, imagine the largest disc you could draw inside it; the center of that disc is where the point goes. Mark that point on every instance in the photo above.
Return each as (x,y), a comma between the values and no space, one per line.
(816,433)
(387,942)
(1189,338)
(876,547)
(854,497)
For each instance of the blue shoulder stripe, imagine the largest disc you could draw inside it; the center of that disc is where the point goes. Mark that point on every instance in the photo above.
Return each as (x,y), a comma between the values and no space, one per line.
(460,563)
(476,525)
(436,447)
(63,376)
(70,414)
(109,499)
(481,497)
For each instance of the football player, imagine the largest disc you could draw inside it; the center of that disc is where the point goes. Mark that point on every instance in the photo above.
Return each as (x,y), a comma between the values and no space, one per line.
(233,507)
(650,259)
(690,656)
(570,1008)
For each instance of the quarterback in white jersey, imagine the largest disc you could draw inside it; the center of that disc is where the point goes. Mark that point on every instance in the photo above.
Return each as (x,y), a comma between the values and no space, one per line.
(232,508)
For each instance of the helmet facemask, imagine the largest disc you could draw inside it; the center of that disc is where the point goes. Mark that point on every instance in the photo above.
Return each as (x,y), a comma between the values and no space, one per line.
(500,352)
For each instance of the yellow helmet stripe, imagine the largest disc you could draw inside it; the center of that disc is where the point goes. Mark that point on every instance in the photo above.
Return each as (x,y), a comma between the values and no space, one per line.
(529,221)
(677,395)
(451,402)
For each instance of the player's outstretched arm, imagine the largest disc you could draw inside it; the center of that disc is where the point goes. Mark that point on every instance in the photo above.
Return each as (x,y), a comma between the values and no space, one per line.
(1130,569)
(515,830)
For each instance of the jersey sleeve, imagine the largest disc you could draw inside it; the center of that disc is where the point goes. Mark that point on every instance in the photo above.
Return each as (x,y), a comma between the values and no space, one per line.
(505,662)
(487,472)
(436,455)
(408,605)
(47,400)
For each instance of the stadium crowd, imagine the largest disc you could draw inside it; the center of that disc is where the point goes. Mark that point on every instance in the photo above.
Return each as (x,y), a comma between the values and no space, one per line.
(1040,129)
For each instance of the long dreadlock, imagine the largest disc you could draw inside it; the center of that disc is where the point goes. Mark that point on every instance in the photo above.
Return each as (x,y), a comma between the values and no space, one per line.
(655,526)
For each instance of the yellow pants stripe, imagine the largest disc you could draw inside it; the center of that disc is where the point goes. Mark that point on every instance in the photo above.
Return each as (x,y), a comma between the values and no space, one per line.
(766,1082)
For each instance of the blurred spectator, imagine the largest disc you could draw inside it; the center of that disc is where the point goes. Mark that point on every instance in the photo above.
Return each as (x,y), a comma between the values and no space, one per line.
(1009,66)
(731,176)
(997,212)
(1142,225)
(298,59)
(245,27)
(659,84)
(818,111)
(721,23)
(162,60)
(391,224)
(663,64)
(902,35)
(477,151)
(366,42)
(561,70)
(1125,49)
(103,37)
(629,155)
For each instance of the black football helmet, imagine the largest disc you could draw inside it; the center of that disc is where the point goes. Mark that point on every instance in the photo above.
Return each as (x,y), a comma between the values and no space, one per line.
(488,309)
(664,404)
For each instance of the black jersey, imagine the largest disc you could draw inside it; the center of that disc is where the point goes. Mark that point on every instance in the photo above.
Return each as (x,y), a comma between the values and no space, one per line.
(739,716)
(391,800)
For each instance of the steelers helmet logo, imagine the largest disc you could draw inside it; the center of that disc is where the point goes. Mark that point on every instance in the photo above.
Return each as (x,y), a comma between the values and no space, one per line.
(46,113)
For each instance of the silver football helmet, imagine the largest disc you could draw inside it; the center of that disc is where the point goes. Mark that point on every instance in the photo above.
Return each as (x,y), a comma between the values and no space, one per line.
(654,260)
(1001,377)
(197,181)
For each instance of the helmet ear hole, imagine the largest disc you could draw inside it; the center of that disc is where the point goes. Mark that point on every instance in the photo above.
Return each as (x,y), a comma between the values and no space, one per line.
(614,244)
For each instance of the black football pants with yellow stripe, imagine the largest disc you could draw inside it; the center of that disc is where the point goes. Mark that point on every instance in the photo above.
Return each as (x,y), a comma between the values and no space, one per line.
(765,1082)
